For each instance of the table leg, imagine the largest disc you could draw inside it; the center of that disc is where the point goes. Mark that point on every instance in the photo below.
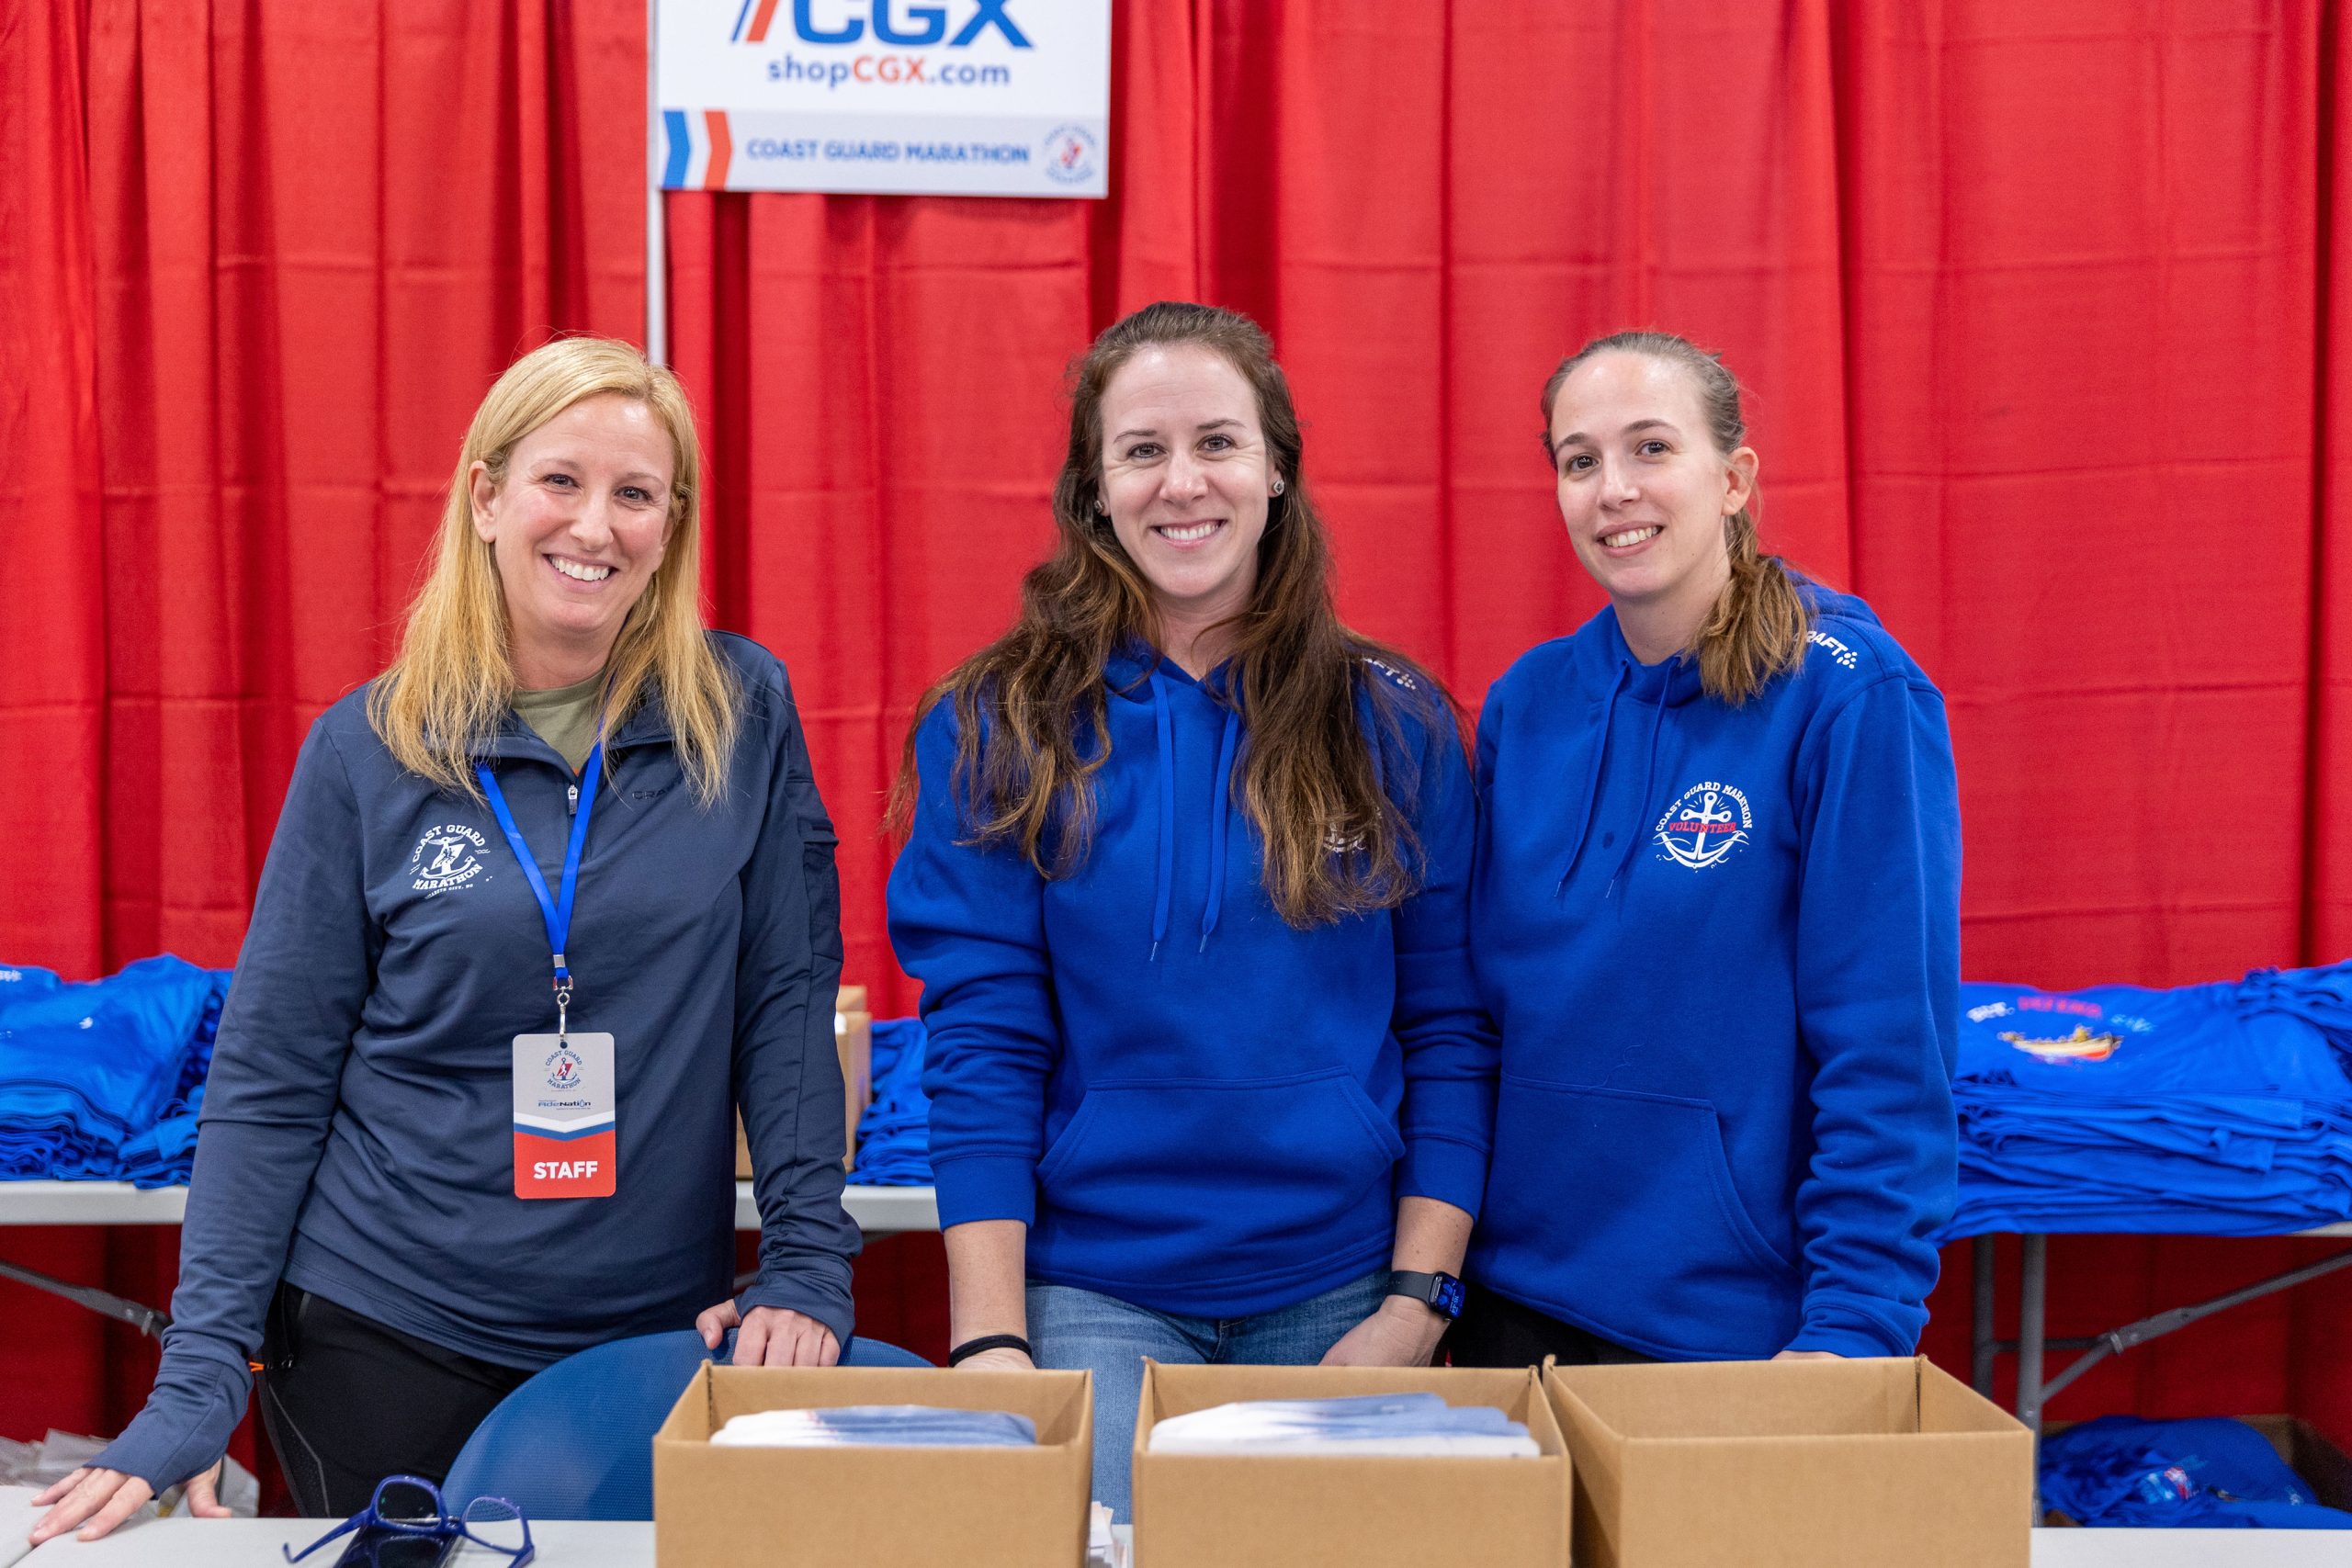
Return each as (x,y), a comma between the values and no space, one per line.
(1981,1348)
(2032,1298)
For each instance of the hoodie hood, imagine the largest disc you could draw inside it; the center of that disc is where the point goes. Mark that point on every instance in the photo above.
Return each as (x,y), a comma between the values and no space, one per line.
(1606,668)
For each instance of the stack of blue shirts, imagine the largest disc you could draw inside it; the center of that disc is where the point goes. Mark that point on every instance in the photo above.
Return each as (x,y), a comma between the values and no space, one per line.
(2223,1109)
(894,1135)
(102,1081)
(2204,1473)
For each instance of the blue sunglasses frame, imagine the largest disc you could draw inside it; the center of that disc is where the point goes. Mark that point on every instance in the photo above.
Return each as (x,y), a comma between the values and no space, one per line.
(444,1523)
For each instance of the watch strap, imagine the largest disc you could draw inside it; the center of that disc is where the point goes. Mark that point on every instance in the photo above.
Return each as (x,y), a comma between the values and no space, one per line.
(1441,1293)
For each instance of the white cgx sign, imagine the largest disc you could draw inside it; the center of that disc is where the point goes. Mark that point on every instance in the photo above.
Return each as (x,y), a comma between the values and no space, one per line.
(940,98)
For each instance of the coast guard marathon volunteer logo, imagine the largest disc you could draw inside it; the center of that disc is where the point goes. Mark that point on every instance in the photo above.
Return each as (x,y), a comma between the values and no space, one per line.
(1705,823)
(1070,153)
(447,856)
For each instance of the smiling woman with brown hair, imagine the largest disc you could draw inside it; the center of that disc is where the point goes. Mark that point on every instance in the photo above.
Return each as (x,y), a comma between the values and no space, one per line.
(452,1132)
(1184,888)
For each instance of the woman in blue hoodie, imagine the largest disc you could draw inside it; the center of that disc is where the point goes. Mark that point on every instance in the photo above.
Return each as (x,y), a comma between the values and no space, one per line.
(1185,889)
(1715,919)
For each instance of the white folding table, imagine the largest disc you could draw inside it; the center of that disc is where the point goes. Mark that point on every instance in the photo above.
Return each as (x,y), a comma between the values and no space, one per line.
(879,1211)
(241,1543)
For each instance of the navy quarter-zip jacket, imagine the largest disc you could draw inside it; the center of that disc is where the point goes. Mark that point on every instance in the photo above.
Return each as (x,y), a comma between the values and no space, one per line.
(357,1133)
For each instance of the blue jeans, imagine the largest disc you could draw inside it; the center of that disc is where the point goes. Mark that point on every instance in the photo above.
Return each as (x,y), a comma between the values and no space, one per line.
(1074,1329)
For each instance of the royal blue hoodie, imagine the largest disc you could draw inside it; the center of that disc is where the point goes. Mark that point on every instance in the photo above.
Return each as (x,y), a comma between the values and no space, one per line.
(1194,1107)
(1722,946)
(357,1138)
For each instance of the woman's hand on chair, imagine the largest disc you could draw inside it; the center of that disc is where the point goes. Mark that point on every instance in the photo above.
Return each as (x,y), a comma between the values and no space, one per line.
(770,1336)
(98,1500)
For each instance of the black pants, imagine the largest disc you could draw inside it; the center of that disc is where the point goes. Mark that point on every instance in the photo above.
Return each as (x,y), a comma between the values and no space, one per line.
(1495,1332)
(348,1402)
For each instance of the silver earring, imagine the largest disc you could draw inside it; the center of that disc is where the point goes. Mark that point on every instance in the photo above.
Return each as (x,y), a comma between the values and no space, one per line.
(1278,486)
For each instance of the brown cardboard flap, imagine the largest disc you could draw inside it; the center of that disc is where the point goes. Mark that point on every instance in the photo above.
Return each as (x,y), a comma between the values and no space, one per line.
(2306,1449)
(1743,1399)
(1947,1404)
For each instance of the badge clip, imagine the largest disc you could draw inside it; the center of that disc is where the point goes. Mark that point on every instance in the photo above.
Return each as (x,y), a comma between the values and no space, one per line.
(562,1000)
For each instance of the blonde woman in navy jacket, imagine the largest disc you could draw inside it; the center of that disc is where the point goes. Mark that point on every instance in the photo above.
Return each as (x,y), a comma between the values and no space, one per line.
(1716,919)
(365,1220)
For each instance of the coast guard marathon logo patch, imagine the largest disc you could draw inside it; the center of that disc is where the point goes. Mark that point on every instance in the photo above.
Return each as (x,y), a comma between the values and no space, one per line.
(448,855)
(1704,825)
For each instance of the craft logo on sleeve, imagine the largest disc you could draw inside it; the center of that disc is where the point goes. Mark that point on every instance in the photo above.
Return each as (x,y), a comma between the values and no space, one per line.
(1704,825)
(1837,649)
(448,855)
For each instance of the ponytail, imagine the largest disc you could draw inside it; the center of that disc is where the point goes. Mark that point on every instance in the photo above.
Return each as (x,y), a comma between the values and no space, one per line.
(1759,623)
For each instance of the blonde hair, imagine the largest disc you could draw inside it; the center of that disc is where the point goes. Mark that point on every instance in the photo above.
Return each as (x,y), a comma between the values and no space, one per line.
(446,695)
(1757,625)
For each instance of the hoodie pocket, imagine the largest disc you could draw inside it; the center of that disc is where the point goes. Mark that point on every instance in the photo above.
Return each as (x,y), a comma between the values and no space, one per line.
(1246,1167)
(1621,1207)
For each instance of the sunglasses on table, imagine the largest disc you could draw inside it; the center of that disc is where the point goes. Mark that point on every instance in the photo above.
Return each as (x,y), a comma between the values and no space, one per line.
(412,1506)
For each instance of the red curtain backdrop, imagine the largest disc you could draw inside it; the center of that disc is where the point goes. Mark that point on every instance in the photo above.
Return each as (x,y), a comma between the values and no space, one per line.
(2045,311)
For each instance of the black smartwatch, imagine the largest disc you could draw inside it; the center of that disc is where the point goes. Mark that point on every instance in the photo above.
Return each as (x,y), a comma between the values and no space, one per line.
(1441,1293)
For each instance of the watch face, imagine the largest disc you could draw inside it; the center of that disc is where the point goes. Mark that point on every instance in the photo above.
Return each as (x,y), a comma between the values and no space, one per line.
(1449,1296)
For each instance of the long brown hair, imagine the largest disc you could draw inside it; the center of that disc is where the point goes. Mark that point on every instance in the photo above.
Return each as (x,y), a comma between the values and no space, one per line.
(1757,628)
(1330,815)
(445,695)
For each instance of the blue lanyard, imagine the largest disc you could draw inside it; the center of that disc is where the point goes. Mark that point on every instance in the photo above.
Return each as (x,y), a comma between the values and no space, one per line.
(556,911)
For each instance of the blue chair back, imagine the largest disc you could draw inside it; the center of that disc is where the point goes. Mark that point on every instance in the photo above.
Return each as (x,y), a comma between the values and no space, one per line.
(575,1441)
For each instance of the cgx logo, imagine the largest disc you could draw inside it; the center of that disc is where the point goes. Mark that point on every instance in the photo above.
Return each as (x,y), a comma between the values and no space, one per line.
(893,21)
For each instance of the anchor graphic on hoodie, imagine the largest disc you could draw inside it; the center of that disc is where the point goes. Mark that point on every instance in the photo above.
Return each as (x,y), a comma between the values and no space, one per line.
(1699,826)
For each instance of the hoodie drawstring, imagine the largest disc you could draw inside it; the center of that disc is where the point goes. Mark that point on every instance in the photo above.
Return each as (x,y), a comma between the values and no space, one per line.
(1217,825)
(1592,785)
(1164,890)
(1642,801)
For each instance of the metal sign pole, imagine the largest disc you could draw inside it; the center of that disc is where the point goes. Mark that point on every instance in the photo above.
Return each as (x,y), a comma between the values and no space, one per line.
(657,281)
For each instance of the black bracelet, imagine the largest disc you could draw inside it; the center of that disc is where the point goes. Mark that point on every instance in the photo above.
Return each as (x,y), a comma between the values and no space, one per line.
(971,1348)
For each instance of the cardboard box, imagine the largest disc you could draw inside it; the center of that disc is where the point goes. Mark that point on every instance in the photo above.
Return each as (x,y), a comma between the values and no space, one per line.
(1319,1511)
(1792,1464)
(854,1046)
(2325,1468)
(874,1507)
